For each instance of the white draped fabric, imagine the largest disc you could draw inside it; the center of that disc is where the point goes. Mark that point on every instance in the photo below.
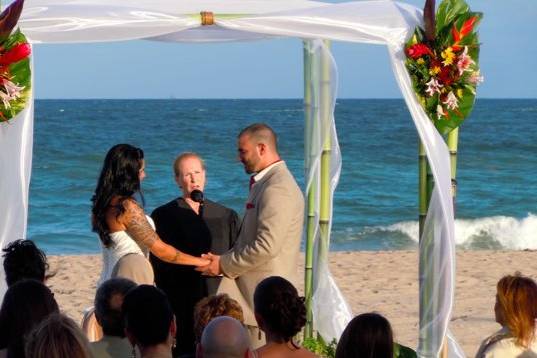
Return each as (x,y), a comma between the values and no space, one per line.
(378,22)
(331,313)
(16,142)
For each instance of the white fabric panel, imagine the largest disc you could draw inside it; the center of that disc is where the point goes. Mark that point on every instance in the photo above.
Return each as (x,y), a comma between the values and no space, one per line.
(16,142)
(331,312)
(437,244)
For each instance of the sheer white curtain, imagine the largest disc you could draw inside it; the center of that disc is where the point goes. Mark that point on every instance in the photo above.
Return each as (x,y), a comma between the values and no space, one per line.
(16,142)
(380,22)
(331,312)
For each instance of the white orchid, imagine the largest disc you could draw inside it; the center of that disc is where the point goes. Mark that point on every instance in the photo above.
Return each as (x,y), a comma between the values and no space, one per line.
(433,87)
(451,101)
(464,62)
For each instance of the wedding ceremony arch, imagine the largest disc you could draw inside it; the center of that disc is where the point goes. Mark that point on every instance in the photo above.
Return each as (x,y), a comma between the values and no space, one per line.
(383,22)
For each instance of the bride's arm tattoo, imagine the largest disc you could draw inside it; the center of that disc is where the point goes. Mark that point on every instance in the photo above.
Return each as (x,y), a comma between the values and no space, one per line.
(138,227)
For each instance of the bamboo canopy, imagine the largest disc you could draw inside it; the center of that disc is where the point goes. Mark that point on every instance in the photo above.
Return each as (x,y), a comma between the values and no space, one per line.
(382,22)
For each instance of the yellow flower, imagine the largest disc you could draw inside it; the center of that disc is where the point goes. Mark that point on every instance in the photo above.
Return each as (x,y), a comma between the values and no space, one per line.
(448,56)
(420,61)
(459,93)
(434,71)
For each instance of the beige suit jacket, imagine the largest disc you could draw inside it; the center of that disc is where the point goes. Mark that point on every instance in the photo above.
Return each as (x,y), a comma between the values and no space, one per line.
(269,238)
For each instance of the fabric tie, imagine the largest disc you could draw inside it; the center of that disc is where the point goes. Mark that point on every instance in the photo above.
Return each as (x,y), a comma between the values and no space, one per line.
(252,181)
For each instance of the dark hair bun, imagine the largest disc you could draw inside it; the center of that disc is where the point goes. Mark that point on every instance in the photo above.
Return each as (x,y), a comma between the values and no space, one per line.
(283,312)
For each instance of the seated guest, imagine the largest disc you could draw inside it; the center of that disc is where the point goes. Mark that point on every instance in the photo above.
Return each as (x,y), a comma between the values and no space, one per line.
(212,307)
(26,303)
(224,337)
(366,335)
(149,321)
(58,336)
(281,314)
(108,301)
(23,260)
(516,312)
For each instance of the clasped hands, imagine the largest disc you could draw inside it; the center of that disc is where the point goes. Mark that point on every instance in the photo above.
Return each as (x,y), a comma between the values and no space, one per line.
(213,268)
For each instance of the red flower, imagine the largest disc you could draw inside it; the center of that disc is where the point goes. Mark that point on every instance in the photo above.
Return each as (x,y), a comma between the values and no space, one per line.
(250,206)
(446,76)
(15,54)
(417,50)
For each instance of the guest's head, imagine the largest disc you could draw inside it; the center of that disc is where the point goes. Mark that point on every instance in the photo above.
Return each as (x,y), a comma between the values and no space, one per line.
(26,303)
(279,311)
(121,174)
(368,335)
(516,307)
(148,317)
(258,147)
(108,301)
(224,337)
(215,306)
(23,260)
(189,171)
(58,336)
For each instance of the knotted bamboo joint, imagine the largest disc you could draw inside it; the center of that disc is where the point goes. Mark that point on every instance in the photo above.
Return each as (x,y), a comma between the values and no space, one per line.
(207,18)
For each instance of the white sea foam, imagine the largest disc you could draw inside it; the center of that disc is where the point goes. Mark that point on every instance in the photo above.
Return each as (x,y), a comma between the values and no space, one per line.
(488,232)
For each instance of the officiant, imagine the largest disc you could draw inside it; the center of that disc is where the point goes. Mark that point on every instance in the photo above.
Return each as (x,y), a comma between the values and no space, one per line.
(195,225)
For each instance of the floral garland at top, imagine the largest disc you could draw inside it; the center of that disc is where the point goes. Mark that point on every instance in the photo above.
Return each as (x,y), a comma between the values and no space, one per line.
(443,64)
(15,73)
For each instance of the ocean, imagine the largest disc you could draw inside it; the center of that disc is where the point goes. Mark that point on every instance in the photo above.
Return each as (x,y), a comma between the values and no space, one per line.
(375,204)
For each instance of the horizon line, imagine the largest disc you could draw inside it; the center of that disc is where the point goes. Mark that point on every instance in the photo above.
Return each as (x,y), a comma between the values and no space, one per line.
(244,98)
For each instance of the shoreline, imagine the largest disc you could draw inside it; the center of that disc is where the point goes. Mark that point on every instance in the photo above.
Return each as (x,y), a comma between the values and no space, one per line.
(381,281)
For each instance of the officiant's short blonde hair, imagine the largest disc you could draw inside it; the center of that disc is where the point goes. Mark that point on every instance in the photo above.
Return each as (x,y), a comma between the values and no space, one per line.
(185,155)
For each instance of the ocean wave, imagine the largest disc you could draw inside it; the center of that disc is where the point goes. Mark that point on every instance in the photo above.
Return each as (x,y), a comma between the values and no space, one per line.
(495,232)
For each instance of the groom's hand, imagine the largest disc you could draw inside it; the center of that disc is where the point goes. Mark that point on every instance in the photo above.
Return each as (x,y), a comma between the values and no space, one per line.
(212,269)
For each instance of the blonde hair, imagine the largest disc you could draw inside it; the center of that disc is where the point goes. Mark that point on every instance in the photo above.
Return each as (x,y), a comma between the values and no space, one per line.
(517,298)
(185,155)
(215,306)
(58,336)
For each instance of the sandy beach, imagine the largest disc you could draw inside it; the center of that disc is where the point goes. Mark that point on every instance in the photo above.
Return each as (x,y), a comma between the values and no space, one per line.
(384,281)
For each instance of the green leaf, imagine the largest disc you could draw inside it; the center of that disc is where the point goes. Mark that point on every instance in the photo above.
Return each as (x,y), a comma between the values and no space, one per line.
(20,74)
(448,11)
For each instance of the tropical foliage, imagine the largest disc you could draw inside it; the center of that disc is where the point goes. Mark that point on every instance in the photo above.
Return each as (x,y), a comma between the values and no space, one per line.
(444,66)
(15,73)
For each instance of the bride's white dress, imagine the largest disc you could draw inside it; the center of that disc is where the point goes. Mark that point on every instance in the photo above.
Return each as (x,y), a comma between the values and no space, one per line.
(121,245)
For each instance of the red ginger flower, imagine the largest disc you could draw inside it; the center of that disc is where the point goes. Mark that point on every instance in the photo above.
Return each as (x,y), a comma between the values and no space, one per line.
(417,50)
(15,54)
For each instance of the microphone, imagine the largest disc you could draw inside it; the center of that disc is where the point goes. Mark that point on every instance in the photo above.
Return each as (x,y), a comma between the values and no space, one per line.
(197,196)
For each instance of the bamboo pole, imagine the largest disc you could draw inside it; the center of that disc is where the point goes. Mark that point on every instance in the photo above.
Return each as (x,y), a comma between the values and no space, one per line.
(422,188)
(453,144)
(310,220)
(325,204)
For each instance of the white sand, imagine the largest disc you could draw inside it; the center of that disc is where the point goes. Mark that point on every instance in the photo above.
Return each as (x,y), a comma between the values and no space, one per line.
(384,281)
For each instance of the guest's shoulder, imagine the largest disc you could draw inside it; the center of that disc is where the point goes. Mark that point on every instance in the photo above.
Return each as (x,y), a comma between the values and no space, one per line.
(506,347)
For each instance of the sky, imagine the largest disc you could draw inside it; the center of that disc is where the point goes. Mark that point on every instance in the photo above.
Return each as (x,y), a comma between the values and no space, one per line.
(273,68)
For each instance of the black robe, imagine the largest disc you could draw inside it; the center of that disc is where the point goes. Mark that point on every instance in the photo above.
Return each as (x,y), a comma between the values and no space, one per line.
(215,230)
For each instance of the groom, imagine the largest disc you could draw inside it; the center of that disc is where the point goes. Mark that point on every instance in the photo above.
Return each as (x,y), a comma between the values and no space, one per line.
(269,237)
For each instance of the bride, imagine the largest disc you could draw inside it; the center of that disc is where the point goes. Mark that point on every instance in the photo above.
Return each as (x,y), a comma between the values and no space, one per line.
(126,233)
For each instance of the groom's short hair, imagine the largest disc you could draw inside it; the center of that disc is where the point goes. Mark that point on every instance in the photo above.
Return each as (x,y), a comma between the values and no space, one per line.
(261,133)
(180,157)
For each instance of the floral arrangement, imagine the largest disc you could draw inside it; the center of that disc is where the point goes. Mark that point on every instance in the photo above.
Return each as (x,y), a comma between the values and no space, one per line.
(15,74)
(442,61)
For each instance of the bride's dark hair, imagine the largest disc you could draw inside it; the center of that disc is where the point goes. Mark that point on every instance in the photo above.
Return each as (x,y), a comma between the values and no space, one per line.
(120,176)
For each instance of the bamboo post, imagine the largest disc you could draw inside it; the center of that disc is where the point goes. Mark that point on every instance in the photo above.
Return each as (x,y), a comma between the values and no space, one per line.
(325,205)
(453,143)
(310,220)
(422,188)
